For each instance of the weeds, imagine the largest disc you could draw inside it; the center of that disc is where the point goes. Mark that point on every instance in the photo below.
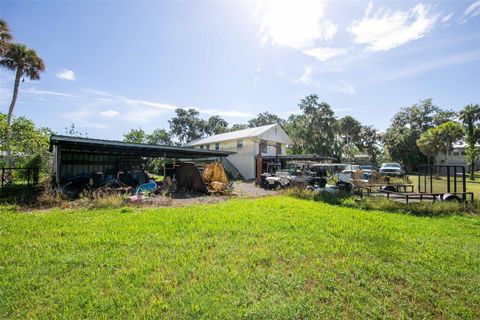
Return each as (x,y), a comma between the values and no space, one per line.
(383,204)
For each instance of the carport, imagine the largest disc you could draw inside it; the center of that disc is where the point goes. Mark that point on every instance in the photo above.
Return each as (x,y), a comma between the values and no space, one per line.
(76,155)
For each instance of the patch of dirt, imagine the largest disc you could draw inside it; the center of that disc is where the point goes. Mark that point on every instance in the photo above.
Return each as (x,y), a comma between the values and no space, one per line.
(240,189)
(250,190)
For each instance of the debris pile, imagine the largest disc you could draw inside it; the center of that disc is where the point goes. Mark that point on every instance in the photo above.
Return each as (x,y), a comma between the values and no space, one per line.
(215,177)
(189,178)
(185,180)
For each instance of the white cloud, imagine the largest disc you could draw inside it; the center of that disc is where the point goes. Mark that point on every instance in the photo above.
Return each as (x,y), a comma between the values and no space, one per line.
(110,113)
(48,92)
(131,102)
(295,24)
(144,114)
(325,53)
(473,10)
(306,77)
(145,110)
(66,74)
(447,18)
(341,86)
(386,29)
(453,59)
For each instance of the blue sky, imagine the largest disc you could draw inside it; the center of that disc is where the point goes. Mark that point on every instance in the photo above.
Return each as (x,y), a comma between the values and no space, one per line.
(112,66)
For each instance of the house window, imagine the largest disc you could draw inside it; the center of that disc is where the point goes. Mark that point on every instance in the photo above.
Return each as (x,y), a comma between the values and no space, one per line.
(239,144)
(263,146)
(456,152)
(208,147)
(217,146)
(279,148)
(201,147)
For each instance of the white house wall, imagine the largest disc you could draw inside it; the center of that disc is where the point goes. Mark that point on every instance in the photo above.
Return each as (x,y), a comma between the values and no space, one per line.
(456,157)
(243,159)
(275,134)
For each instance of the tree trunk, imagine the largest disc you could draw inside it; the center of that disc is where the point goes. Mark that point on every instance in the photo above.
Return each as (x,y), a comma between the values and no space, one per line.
(18,75)
(472,170)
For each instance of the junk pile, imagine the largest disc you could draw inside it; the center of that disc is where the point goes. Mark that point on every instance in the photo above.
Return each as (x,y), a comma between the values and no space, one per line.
(215,178)
(187,179)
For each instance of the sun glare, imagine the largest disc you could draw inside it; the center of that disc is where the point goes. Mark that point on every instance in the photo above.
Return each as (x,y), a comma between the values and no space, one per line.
(294,23)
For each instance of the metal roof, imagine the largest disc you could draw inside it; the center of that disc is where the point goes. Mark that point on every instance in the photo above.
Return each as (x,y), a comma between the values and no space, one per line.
(234,135)
(127,148)
(299,157)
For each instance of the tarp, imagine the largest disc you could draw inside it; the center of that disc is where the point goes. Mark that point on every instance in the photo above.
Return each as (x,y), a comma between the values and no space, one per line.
(189,178)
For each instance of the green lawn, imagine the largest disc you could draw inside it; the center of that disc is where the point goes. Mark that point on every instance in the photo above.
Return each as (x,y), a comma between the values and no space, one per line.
(276,257)
(439,184)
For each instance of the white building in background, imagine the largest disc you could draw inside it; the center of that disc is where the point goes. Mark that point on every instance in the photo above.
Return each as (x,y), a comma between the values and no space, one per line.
(269,140)
(456,156)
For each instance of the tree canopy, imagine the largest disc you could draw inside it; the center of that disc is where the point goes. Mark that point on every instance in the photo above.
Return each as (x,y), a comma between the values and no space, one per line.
(405,129)
(265,118)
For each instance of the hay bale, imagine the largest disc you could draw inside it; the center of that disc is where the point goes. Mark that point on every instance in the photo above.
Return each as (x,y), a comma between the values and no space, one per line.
(215,177)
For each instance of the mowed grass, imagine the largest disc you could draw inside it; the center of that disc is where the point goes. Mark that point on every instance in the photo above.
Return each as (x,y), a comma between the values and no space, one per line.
(275,257)
(440,184)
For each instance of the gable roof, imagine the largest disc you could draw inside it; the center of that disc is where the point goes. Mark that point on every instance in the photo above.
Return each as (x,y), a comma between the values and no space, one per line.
(234,135)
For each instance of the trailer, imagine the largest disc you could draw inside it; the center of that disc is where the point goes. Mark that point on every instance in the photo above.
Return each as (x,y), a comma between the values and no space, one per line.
(435,183)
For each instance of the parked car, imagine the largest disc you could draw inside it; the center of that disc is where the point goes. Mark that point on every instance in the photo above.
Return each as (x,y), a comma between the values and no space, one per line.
(351,168)
(391,169)
(367,168)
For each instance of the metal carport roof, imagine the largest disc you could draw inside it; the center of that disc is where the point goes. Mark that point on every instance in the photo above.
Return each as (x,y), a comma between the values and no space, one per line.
(134,149)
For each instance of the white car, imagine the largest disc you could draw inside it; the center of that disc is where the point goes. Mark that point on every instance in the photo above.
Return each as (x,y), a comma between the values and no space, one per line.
(391,169)
(351,168)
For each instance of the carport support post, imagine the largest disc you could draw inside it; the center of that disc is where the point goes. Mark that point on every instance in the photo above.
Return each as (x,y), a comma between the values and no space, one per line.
(259,165)
(164,165)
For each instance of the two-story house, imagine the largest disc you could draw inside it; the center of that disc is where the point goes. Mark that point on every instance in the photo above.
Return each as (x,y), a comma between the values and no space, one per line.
(250,146)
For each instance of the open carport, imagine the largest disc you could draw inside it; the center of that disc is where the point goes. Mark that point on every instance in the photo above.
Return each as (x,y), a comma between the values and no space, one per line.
(73,156)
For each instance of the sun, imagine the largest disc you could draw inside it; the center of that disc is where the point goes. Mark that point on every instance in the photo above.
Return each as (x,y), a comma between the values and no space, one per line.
(294,24)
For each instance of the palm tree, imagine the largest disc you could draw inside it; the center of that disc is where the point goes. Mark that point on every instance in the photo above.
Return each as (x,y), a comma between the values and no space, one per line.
(5,37)
(469,115)
(25,62)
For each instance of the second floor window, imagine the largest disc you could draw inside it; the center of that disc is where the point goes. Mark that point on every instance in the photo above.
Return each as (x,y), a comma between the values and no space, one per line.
(263,146)
(217,146)
(239,144)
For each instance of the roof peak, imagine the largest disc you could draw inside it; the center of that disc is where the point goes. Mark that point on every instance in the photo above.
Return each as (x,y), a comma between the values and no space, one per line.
(231,135)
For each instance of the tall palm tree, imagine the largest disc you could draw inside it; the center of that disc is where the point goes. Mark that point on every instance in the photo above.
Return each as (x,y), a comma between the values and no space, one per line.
(469,115)
(26,63)
(5,37)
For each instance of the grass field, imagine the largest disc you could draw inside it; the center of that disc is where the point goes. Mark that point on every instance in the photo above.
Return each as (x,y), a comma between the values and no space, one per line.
(276,257)
(439,185)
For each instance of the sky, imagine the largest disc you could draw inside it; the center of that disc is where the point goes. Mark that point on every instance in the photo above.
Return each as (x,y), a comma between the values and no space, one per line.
(116,65)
